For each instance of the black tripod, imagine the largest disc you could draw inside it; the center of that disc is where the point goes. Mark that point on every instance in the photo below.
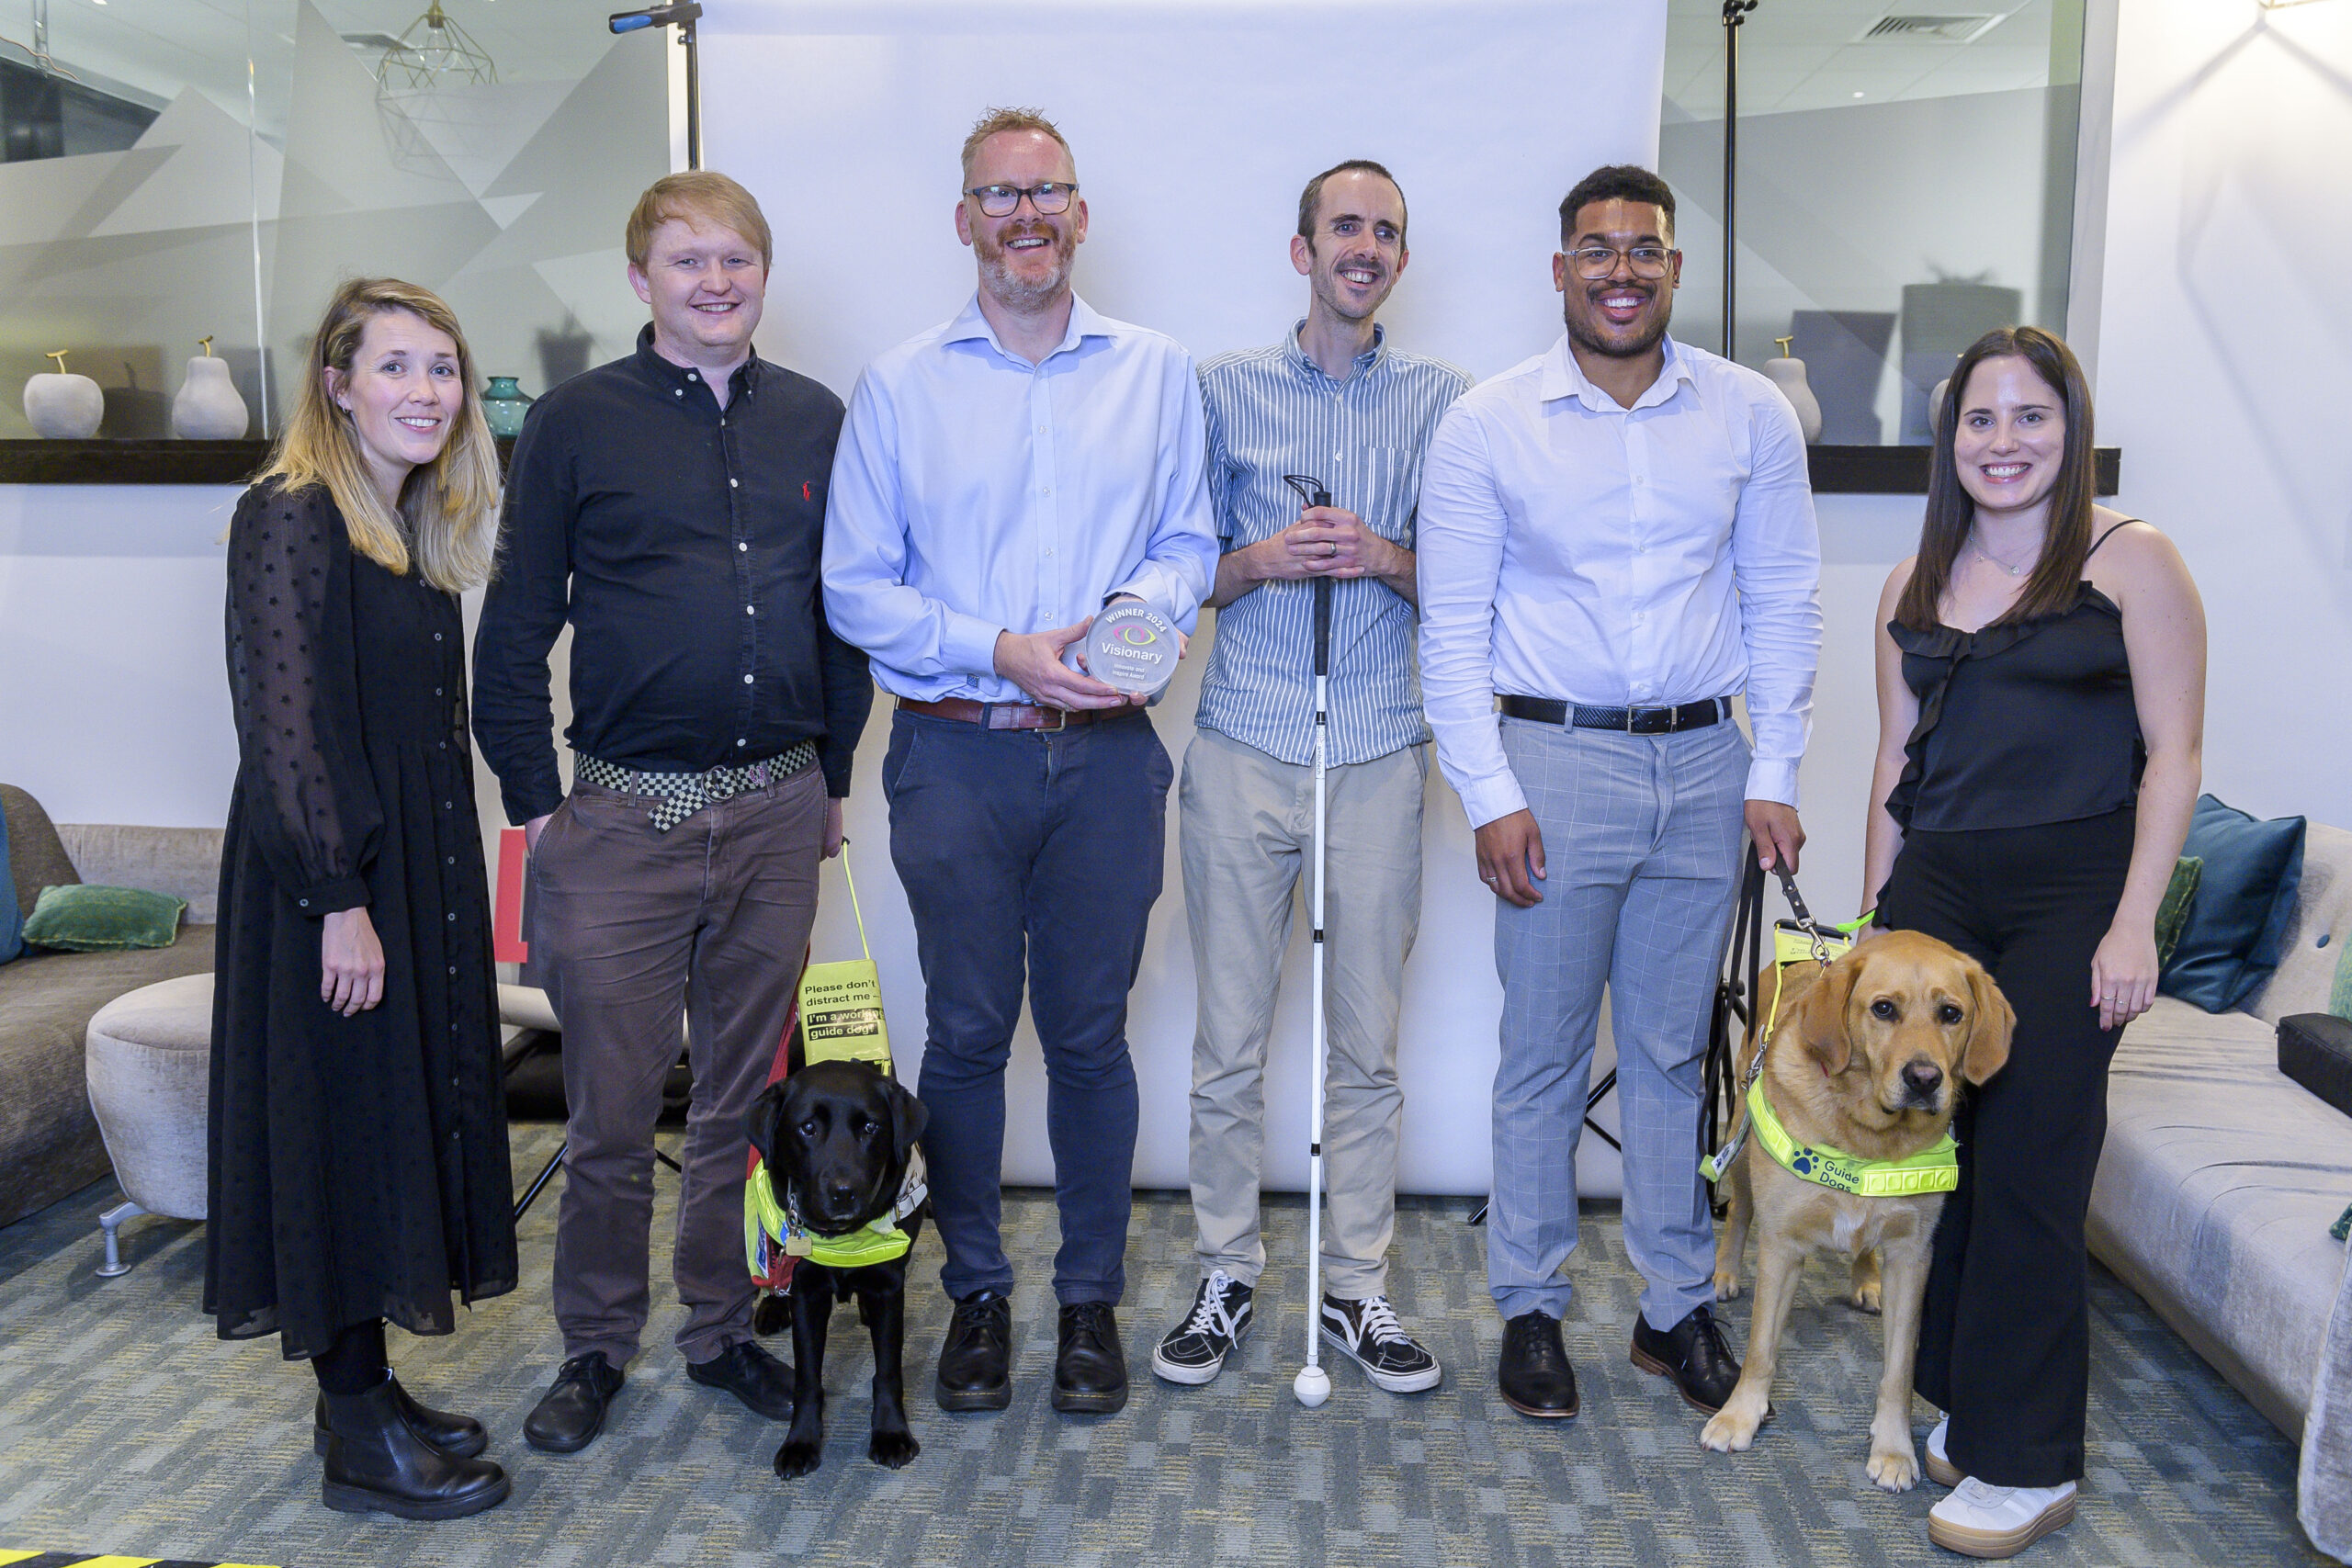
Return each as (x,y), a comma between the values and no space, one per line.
(525,1045)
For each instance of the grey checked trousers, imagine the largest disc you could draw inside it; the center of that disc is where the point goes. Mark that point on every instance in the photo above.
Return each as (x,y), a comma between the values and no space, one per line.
(1641,842)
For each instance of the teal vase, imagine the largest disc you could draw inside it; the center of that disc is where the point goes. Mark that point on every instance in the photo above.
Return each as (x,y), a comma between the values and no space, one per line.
(503,404)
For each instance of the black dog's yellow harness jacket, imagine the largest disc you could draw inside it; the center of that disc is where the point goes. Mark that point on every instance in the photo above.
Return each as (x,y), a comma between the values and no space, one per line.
(772,1229)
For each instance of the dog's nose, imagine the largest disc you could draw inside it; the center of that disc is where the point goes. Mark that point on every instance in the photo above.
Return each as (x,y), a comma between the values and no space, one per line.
(1921,1079)
(841,1194)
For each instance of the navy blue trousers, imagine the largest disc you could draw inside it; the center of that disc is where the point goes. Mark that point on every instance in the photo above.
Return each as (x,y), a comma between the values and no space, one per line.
(1035,855)
(2005,1335)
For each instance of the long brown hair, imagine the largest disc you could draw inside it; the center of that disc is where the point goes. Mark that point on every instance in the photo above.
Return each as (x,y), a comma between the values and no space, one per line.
(2066,540)
(448,520)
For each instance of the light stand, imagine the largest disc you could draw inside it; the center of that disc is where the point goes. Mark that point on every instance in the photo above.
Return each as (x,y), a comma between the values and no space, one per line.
(683,17)
(1735,15)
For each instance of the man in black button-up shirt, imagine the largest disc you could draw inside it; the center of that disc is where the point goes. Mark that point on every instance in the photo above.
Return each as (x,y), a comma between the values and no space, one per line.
(670,507)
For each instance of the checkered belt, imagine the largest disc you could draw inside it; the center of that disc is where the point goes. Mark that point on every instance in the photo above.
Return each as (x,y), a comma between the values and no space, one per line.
(682,795)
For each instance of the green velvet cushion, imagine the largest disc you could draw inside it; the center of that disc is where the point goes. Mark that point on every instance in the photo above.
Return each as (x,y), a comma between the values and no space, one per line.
(84,918)
(2343,1225)
(2339,996)
(2173,913)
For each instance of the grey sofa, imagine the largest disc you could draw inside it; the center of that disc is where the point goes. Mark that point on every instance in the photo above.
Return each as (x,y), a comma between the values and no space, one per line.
(2220,1178)
(50,1145)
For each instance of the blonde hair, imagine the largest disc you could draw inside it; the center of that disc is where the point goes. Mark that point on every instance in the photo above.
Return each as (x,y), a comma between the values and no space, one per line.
(698,198)
(997,121)
(448,520)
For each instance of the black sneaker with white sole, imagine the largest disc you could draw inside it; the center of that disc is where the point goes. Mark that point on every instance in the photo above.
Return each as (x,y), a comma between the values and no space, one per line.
(1368,1333)
(1193,1351)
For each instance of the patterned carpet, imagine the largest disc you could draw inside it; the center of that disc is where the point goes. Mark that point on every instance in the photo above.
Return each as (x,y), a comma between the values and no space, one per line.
(125,1427)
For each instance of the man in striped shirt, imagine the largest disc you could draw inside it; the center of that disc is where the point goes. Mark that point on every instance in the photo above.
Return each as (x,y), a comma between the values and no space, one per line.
(1330,400)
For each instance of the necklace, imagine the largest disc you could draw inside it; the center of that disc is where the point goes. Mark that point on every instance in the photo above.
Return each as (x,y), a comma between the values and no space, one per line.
(1989,556)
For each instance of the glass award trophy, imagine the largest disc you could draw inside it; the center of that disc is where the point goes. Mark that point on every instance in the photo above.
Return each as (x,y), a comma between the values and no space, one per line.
(1132,647)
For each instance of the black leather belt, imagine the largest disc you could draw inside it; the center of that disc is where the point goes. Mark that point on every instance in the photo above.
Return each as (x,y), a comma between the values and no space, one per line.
(1633,721)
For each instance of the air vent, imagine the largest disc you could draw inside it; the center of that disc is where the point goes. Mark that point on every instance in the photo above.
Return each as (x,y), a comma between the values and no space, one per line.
(1946,27)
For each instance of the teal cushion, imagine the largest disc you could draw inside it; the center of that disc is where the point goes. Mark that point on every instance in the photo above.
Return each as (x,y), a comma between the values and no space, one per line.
(2339,994)
(2236,928)
(85,919)
(12,921)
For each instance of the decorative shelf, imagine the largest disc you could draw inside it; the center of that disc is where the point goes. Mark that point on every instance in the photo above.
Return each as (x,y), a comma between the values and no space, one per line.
(103,462)
(1837,470)
(1902,470)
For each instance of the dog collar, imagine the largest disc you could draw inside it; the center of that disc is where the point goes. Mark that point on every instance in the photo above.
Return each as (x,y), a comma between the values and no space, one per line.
(1935,1168)
(774,1227)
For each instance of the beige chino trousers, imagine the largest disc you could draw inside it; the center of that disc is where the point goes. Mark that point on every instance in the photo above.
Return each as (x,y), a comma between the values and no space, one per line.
(1247,830)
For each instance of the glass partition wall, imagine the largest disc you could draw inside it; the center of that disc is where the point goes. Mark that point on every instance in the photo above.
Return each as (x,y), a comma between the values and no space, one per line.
(177,170)
(1904,182)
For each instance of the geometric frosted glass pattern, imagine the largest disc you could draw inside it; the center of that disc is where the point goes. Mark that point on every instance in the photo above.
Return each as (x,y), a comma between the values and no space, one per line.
(507,197)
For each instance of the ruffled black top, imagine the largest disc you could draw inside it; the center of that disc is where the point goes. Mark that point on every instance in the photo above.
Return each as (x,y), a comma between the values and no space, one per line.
(2020,723)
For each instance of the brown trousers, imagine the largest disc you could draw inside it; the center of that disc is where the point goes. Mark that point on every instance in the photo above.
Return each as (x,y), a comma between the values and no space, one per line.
(632,928)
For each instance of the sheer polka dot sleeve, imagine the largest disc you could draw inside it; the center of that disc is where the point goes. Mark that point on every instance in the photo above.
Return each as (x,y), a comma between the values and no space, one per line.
(293,682)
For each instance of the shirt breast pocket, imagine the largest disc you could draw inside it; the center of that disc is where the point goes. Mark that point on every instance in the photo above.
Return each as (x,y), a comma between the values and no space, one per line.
(1388,489)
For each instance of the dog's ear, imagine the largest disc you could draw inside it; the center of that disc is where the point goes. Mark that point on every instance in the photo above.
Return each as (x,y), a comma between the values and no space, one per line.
(909,1117)
(1988,1037)
(766,1120)
(1820,1021)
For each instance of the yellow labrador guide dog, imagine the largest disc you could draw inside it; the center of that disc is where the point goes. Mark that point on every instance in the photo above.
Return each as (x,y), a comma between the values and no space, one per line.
(1849,1150)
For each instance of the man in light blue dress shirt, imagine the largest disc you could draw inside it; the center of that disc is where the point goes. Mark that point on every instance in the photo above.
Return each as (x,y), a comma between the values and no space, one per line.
(1000,480)
(1617,538)
(1334,400)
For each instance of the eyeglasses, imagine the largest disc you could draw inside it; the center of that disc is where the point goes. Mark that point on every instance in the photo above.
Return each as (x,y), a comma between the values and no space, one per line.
(1050,198)
(1594,262)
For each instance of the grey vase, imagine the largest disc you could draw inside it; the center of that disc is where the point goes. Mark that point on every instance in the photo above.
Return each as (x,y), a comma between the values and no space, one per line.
(209,408)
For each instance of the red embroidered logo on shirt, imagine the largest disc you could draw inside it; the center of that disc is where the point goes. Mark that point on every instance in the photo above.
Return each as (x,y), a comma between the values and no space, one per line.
(804,489)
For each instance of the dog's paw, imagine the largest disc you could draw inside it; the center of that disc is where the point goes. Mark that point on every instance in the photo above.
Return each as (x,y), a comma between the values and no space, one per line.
(1866,1298)
(1726,1284)
(1728,1433)
(796,1459)
(1896,1470)
(893,1450)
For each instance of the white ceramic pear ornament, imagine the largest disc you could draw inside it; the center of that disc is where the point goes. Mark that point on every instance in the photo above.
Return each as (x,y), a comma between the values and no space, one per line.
(63,406)
(209,408)
(1788,376)
(1936,400)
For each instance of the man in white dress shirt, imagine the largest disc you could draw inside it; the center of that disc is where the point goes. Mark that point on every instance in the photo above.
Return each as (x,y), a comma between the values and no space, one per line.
(999,478)
(1617,538)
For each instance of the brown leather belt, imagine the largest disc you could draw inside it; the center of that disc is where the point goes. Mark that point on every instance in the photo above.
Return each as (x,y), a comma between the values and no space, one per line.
(1011,715)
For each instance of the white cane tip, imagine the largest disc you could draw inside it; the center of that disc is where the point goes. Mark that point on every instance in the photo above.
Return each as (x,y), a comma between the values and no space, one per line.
(1313,1386)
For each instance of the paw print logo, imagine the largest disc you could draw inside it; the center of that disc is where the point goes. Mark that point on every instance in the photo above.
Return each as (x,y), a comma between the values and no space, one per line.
(1804,1162)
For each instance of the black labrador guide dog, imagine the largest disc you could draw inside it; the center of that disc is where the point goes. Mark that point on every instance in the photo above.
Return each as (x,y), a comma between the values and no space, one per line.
(837,1137)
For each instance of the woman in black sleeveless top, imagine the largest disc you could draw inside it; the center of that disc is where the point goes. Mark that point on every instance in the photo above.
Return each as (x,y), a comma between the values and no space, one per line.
(2041,690)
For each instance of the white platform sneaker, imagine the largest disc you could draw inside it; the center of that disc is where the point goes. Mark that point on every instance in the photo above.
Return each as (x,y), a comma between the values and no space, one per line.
(1979,1520)
(1940,1469)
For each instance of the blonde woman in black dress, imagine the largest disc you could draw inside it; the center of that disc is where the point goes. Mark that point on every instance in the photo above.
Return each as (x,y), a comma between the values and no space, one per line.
(2041,711)
(358,1137)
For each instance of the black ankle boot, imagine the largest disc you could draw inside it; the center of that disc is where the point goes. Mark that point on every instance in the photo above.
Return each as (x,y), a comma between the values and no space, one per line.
(376,1464)
(459,1436)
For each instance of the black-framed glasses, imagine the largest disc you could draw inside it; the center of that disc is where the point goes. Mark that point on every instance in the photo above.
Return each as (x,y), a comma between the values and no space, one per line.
(1049,199)
(1594,262)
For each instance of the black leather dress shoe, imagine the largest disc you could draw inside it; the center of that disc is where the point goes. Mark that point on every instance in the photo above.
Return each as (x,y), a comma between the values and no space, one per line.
(1534,1374)
(752,1375)
(976,1358)
(1090,1369)
(459,1436)
(377,1464)
(569,1415)
(1693,1353)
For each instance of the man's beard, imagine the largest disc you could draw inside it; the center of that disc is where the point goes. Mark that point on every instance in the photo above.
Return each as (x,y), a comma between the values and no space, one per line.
(1327,289)
(1020,293)
(1649,337)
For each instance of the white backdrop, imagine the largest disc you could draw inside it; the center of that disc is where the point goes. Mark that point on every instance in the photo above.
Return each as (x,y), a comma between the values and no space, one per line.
(1194,125)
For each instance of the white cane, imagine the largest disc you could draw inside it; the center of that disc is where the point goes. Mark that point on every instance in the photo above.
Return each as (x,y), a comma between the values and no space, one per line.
(1313,1384)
